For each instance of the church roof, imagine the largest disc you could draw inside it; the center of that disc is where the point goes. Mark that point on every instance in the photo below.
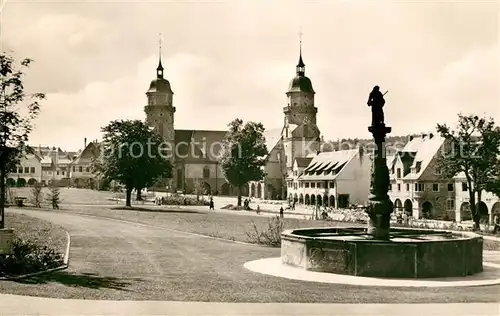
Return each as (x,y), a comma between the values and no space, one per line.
(199,145)
(160,85)
(300,84)
(307,130)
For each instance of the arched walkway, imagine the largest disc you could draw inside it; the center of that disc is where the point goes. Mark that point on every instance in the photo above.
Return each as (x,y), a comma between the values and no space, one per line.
(271,192)
(319,201)
(10,182)
(225,188)
(313,199)
(495,212)
(482,210)
(307,199)
(301,198)
(427,209)
(21,182)
(465,214)
(252,190)
(398,206)
(408,207)
(325,200)
(332,201)
(295,198)
(259,190)
(206,188)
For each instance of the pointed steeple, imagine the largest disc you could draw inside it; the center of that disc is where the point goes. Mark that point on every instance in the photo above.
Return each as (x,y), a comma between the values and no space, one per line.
(301,67)
(159,69)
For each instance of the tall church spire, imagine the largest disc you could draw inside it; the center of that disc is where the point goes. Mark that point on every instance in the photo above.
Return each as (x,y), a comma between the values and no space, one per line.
(301,67)
(159,69)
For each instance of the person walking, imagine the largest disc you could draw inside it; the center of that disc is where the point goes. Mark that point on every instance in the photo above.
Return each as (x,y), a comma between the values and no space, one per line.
(282,212)
(211,204)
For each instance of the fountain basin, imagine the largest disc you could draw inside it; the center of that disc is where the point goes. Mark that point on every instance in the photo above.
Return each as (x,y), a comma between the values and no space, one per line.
(410,253)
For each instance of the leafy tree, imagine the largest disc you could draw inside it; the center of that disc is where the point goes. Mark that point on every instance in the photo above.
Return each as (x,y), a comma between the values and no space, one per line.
(15,127)
(53,197)
(133,155)
(243,154)
(472,149)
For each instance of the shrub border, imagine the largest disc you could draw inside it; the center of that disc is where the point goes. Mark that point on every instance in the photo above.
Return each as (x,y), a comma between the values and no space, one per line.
(65,265)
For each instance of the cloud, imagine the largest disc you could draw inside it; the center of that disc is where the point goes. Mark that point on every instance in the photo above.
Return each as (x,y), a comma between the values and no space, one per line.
(235,59)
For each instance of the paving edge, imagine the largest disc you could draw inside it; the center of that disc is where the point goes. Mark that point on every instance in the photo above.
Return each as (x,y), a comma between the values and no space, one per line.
(274,267)
(64,266)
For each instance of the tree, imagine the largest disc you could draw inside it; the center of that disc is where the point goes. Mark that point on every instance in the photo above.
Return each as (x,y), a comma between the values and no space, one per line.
(15,127)
(472,149)
(243,154)
(36,194)
(53,196)
(133,155)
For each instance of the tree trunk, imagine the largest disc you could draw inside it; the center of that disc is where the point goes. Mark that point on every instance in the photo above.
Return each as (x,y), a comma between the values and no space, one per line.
(239,195)
(139,196)
(2,194)
(128,197)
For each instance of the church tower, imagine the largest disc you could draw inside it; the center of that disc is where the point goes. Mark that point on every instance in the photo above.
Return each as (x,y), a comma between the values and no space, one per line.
(160,110)
(300,134)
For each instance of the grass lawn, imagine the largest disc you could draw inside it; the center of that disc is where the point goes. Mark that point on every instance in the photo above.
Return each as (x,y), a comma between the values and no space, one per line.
(123,261)
(39,231)
(71,195)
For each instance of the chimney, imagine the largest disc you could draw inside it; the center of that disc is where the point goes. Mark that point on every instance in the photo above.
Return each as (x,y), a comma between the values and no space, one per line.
(424,135)
(431,135)
(410,138)
(85,143)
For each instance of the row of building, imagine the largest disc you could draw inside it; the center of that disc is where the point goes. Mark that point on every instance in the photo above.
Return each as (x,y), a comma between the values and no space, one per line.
(52,165)
(341,179)
(296,168)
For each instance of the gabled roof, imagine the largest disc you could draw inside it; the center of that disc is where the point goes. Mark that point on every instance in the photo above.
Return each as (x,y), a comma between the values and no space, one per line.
(424,150)
(333,161)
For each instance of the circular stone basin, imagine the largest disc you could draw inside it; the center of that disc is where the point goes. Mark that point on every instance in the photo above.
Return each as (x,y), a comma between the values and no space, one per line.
(409,253)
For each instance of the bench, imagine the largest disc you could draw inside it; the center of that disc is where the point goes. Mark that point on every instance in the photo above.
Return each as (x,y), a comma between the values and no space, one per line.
(20,200)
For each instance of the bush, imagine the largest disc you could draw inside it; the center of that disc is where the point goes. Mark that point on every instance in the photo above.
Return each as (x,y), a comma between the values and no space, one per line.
(176,199)
(269,236)
(29,257)
(36,195)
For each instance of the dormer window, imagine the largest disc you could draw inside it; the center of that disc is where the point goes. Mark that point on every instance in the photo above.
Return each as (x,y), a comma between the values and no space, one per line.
(418,166)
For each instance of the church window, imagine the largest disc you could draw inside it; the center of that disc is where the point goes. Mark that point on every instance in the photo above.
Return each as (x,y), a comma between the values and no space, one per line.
(206,172)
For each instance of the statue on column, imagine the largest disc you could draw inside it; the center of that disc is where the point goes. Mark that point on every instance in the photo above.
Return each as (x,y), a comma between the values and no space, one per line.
(376,101)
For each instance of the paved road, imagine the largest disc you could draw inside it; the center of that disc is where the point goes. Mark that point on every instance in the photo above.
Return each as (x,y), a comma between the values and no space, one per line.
(128,261)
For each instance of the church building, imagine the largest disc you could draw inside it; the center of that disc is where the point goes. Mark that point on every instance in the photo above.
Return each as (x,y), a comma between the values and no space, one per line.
(300,137)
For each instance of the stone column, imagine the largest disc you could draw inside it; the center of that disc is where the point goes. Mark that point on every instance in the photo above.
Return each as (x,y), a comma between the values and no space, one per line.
(380,206)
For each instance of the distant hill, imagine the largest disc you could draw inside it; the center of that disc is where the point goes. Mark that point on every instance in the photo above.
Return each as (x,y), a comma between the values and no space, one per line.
(393,143)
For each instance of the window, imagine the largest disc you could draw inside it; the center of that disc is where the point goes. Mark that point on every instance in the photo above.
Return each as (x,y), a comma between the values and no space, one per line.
(278,156)
(451,187)
(295,172)
(438,172)
(307,184)
(20,170)
(80,169)
(57,172)
(295,185)
(407,187)
(332,184)
(26,169)
(419,187)
(450,204)
(74,168)
(390,186)
(320,185)
(63,173)
(392,169)
(418,166)
(313,185)
(32,169)
(464,186)
(398,173)
(206,172)
(435,187)
(399,187)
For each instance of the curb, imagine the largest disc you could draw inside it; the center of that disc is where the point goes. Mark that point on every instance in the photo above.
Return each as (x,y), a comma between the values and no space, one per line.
(64,266)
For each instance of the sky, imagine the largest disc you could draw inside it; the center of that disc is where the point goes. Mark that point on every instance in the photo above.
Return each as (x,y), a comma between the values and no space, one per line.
(235,59)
